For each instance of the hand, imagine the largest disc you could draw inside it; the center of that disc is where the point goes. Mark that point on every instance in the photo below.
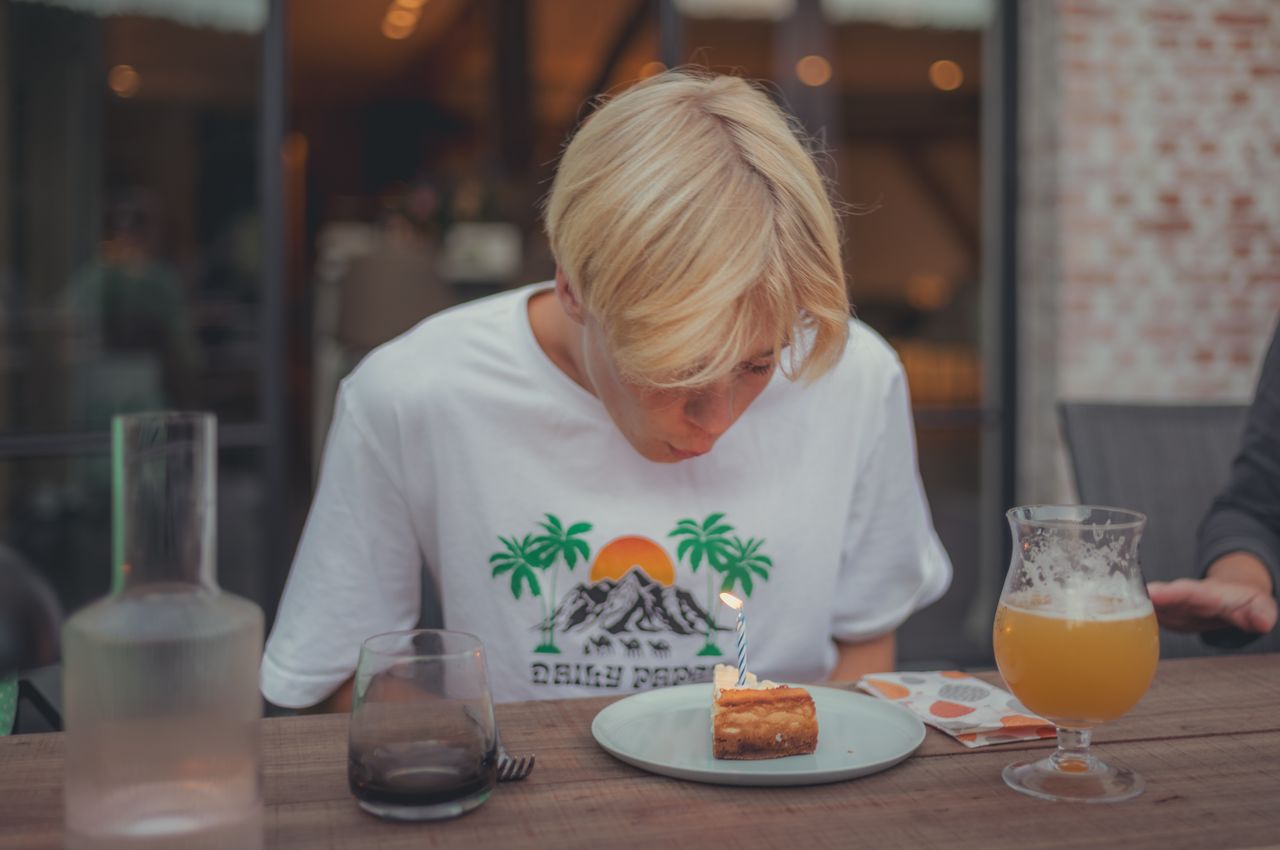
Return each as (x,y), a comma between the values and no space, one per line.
(1236,592)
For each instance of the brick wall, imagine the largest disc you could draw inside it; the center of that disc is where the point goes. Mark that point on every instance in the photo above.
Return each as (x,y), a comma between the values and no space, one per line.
(1150,208)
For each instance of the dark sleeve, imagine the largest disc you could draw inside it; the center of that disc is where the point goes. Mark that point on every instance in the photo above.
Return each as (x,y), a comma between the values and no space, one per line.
(1246,515)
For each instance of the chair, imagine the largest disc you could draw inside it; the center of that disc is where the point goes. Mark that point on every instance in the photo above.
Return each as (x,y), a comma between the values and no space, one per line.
(1169,462)
(29,646)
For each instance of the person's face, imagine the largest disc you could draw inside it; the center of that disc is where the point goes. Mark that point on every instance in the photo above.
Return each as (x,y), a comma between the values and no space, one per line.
(668,426)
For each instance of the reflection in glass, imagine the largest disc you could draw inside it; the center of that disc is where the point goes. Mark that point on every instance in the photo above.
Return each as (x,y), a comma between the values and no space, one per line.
(130,264)
(133,346)
(129,268)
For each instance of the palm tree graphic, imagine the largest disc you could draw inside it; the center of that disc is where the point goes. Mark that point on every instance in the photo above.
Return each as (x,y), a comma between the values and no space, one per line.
(525,557)
(744,561)
(705,541)
(558,544)
(517,559)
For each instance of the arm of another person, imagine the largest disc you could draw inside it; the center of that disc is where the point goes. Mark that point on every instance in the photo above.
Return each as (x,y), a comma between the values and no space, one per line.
(893,563)
(380,687)
(1239,540)
(357,571)
(855,660)
(340,701)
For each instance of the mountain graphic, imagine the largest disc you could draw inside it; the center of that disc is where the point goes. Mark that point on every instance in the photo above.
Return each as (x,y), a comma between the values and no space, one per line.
(633,603)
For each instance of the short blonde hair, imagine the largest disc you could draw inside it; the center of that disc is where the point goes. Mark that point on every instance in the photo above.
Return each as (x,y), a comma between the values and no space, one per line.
(690,220)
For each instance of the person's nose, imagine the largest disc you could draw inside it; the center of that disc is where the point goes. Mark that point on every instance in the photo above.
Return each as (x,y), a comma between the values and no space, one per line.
(711,409)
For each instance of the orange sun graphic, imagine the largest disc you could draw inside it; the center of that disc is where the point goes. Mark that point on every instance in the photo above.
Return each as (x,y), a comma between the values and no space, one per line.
(623,554)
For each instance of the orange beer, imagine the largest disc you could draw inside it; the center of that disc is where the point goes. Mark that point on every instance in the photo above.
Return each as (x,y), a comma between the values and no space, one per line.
(1078,669)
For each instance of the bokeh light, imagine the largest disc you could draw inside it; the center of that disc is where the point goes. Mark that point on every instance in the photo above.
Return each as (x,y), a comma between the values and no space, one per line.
(124,80)
(813,71)
(946,75)
(650,69)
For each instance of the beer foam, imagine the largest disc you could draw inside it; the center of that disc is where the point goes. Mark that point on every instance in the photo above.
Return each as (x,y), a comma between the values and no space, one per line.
(1078,574)
(1091,606)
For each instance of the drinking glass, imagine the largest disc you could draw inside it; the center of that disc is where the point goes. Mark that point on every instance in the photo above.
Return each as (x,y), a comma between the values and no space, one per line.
(1076,641)
(423,743)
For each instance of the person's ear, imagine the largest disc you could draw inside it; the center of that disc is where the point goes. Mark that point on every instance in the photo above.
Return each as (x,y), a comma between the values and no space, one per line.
(568,298)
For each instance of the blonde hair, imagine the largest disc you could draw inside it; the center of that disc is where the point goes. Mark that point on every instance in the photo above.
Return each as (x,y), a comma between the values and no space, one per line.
(689,221)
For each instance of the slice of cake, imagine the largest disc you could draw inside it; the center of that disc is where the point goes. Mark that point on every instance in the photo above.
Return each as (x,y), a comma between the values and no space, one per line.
(761,719)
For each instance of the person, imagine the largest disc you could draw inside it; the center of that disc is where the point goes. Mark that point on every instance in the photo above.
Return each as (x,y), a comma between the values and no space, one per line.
(389,286)
(133,340)
(583,465)
(396,285)
(1234,600)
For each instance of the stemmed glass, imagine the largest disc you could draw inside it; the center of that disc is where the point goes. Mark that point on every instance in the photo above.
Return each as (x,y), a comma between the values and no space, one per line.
(1076,641)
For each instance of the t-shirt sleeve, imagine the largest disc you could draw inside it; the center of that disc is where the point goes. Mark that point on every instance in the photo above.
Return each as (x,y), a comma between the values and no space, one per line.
(357,571)
(893,562)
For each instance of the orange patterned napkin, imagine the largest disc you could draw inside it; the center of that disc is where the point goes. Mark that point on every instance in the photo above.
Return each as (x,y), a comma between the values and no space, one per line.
(965,707)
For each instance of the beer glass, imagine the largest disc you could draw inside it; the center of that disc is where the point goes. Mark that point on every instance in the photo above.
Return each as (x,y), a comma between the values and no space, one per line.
(1076,641)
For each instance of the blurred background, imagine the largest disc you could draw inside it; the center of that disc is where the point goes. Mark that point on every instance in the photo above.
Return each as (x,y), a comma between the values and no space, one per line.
(224,204)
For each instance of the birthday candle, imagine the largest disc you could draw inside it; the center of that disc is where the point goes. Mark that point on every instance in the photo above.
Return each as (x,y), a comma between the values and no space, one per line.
(742,648)
(736,604)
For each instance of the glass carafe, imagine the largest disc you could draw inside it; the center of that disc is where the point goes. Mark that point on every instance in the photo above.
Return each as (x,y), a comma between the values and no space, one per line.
(162,709)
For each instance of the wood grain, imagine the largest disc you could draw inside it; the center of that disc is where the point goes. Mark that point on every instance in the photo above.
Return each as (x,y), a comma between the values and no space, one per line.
(1206,737)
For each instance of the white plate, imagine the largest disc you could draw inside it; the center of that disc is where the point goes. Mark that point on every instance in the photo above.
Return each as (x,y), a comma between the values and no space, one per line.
(668,731)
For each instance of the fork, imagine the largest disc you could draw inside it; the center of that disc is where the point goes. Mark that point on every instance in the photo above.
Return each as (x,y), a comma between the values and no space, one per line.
(513,768)
(510,768)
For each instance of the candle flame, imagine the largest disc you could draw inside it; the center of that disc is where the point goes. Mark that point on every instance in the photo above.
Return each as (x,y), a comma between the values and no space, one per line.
(732,601)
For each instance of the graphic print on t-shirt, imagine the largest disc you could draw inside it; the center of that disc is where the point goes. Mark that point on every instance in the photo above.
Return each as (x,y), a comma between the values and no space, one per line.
(629,610)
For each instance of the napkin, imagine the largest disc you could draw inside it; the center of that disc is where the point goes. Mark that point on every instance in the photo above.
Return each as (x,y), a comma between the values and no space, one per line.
(965,707)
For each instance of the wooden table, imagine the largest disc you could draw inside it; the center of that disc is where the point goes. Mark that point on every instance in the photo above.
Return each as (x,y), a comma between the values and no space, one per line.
(1207,738)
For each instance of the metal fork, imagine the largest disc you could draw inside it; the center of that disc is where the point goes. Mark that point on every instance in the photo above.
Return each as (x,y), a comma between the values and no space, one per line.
(513,768)
(510,768)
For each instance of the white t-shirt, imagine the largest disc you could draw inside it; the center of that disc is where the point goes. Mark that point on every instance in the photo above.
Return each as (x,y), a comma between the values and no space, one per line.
(460,444)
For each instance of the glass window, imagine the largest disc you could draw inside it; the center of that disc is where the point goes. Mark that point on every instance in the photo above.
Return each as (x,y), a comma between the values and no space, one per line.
(130,254)
(131,266)
(56,511)
(890,93)
(421,140)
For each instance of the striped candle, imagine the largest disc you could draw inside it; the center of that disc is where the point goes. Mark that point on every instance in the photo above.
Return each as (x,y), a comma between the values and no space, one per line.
(736,604)
(742,648)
